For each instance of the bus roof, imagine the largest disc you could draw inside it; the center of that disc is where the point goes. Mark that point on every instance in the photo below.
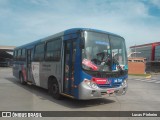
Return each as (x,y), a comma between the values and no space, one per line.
(66,32)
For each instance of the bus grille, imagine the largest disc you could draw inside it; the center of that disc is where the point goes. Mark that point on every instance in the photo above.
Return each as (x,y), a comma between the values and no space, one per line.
(116,84)
(104,86)
(109,85)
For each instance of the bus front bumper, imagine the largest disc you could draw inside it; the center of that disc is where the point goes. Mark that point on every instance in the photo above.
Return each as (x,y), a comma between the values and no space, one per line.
(87,92)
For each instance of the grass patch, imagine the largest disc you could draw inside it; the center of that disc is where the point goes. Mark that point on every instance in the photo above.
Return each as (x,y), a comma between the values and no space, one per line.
(143,75)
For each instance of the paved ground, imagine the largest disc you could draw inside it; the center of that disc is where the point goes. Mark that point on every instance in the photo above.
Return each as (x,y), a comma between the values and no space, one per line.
(153,79)
(143,95)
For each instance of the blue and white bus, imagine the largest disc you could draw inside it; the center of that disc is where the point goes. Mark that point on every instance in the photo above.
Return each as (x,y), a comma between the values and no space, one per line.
(80,63)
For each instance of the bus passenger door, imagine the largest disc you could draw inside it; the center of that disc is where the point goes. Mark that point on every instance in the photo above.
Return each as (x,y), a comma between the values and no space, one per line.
(69,60)
(29,69)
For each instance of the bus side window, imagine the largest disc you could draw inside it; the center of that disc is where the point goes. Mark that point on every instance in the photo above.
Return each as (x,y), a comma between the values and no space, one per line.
(39,52)
(74,54)
(53,50)
(32,53)
(23,56)
(19,55)
(15,55)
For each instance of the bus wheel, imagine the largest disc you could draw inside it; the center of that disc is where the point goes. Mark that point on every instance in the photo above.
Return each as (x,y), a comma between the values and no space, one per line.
(54,89)
(21,78)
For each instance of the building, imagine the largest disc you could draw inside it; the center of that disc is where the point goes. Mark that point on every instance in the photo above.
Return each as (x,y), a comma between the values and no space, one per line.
(149,51)
(136,65)
(6,55)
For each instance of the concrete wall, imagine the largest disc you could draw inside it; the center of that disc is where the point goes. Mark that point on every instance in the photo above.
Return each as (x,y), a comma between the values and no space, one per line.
(136,67)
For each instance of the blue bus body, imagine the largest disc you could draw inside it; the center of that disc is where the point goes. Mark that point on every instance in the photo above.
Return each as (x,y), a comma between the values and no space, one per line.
(59,63)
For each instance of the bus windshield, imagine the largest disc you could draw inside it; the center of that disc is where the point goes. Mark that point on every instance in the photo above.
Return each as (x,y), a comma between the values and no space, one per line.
(103,52)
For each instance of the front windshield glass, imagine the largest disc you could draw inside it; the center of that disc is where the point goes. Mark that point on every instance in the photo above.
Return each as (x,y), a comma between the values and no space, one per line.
(118,50)
(99,49)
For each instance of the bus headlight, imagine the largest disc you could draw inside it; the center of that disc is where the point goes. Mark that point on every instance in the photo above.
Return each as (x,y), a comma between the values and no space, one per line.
(90,83)
(94,85)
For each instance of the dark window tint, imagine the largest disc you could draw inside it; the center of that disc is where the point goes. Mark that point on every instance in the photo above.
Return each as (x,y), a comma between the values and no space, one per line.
(144,51)
(53,50)
(32,53)
(157,53)
(19,54)
(15,55)
(39,52)
(23,56)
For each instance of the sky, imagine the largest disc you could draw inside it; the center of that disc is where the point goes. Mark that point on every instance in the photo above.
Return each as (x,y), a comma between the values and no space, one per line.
(24,21)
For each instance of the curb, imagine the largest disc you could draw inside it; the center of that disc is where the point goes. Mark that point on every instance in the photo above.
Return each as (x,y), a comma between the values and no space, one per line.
(148,76)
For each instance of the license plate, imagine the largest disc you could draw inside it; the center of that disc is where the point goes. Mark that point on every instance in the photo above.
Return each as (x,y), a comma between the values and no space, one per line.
(110,91)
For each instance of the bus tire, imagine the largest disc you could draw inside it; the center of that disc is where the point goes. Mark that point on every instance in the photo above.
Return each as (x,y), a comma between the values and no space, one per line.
(21,78)
(54,89)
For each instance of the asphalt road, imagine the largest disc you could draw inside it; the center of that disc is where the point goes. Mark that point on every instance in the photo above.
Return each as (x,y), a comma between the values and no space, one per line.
(142,95)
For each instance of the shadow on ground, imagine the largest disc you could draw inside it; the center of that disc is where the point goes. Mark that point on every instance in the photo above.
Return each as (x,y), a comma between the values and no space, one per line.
(67,102)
